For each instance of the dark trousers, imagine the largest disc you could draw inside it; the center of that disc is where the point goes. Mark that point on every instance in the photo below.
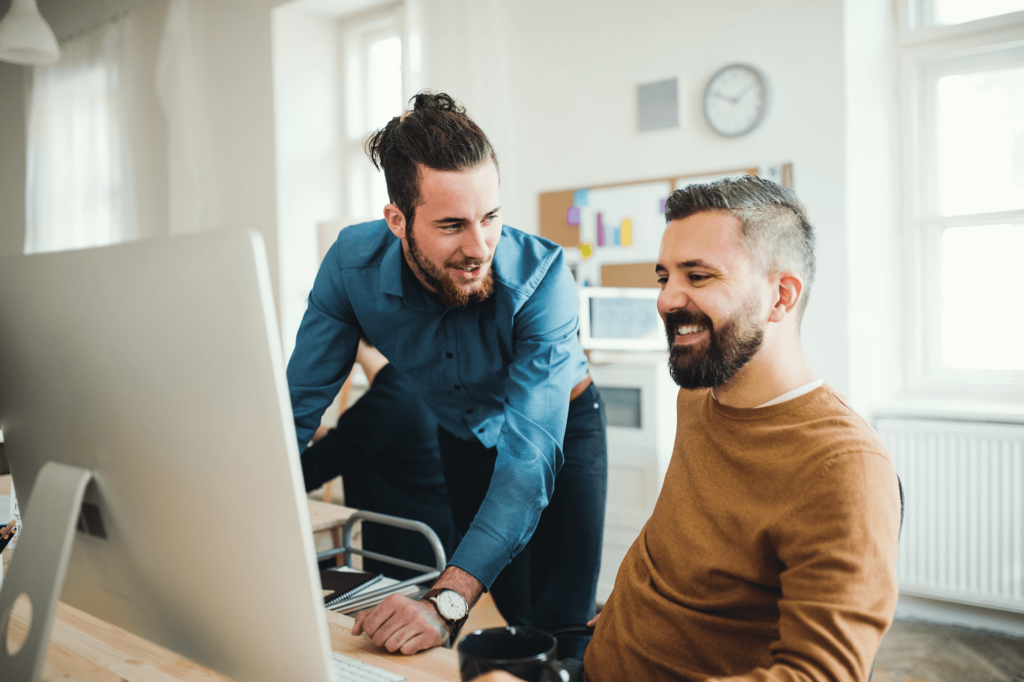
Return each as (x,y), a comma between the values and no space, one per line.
(553,581)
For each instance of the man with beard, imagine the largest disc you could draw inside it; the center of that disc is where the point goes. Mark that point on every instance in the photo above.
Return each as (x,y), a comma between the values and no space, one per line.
(771,552)
(480,319)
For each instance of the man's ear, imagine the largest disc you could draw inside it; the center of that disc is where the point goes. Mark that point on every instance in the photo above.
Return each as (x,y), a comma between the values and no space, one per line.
(788,290)
(396,220)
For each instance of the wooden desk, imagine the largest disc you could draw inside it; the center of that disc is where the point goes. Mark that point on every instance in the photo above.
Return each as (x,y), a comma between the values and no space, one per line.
(87,649)
(328,517)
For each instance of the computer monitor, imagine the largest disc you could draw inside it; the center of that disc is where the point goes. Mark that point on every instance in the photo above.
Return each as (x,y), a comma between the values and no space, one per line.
(144,384)
(621,319)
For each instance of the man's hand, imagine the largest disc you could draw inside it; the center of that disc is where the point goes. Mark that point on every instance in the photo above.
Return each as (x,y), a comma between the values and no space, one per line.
(402,624)
(321,431)
(593,621)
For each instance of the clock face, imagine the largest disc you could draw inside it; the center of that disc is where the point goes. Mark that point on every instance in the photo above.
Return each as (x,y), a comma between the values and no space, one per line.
(451,605)
(734,101)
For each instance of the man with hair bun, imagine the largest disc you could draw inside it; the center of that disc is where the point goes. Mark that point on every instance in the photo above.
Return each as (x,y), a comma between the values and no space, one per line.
(481,320)
(771,552)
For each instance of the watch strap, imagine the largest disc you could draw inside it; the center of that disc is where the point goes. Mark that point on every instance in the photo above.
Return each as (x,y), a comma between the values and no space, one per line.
(455,625)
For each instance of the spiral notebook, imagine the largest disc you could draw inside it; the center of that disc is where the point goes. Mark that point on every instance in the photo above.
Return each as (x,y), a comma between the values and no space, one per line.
(340,585)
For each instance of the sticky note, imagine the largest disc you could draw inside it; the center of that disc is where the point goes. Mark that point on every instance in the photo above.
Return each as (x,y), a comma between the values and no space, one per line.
(615,236)
(626,236)
(581,197)
(572,216)
(600,230)
(586,250)
(663,202)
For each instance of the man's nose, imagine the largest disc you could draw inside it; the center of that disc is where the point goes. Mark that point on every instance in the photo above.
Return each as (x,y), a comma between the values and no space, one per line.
(672,298)
(474,243)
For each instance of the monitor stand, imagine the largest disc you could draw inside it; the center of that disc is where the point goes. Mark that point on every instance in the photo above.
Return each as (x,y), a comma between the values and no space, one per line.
(39,565)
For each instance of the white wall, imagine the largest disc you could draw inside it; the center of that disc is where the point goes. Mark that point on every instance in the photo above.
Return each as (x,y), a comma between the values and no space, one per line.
(554,86)
(307,130)
(235,42)
(873,185)
(560,107)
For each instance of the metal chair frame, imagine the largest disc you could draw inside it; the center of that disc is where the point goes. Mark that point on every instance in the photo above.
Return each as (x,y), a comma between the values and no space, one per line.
(368,598)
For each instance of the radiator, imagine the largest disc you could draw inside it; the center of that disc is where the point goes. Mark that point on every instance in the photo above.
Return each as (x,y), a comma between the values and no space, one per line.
(963,534)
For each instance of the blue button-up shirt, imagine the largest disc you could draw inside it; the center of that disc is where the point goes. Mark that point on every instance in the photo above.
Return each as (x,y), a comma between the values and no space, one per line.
(500,371)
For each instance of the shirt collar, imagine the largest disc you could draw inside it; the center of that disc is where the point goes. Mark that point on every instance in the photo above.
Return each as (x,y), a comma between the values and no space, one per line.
(391,269)
(794,394)
(787,396)
(397,279)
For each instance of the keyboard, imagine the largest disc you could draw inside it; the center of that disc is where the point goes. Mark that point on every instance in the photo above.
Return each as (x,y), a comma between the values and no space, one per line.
(348,669)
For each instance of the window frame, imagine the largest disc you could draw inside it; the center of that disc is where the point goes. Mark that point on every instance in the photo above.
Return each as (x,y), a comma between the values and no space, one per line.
(915,28)
(356,33)
(926,55)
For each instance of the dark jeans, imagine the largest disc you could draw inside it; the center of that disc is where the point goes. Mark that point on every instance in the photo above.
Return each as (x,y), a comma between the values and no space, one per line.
(553,581)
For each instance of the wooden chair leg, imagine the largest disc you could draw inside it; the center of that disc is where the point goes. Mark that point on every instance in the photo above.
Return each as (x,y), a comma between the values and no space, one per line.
(336,539)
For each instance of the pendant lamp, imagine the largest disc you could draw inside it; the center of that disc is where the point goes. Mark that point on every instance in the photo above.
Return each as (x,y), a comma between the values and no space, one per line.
(25,37)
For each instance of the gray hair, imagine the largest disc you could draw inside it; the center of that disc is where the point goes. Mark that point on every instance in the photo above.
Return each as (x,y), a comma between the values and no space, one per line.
(773,222)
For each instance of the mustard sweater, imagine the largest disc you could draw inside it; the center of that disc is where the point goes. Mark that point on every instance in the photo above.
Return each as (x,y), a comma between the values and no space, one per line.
(771,553)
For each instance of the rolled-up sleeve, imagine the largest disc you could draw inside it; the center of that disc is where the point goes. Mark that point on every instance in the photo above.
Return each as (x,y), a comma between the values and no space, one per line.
(541,375)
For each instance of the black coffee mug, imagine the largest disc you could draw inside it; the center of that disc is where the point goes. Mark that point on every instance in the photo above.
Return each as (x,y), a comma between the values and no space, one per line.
(527,653)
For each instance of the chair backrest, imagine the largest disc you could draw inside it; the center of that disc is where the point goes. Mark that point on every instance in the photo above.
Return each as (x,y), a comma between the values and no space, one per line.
(902,505)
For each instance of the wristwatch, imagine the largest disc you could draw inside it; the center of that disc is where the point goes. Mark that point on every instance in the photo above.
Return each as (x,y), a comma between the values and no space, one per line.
(451,606)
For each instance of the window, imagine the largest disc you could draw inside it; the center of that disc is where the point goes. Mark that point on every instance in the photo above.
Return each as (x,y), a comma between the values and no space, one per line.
(79,183)
(929,13)
(964,202)
(373,90)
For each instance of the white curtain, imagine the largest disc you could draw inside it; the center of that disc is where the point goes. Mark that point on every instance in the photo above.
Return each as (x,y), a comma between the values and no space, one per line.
(80,189)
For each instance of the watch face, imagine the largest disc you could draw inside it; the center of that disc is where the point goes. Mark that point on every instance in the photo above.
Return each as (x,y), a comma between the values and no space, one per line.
(451,605)
(734,101)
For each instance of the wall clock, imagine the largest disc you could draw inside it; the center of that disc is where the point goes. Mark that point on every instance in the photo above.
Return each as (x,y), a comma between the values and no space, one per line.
(735,100)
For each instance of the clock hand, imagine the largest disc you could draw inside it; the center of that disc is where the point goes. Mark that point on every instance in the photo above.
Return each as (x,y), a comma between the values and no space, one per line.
(742,92)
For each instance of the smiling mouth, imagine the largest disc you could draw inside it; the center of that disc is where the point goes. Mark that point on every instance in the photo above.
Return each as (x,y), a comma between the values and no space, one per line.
(469,271)
(686,332)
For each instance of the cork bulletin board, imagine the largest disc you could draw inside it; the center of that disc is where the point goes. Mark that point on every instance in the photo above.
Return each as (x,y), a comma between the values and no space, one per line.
(611,233)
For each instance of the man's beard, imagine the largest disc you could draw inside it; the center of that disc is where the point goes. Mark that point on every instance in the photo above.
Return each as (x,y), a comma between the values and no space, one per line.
(448,293)
(729,348)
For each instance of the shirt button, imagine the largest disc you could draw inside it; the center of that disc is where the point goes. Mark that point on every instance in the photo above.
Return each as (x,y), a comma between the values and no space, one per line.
(457,387)
(469,411)
(481,430)
(449,355)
